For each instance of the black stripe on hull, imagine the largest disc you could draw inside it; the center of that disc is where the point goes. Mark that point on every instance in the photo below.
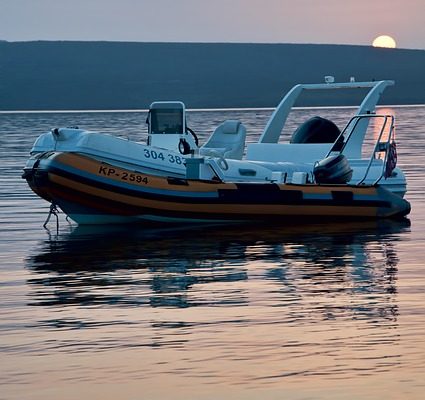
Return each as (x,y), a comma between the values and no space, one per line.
(73,202)
(245,194)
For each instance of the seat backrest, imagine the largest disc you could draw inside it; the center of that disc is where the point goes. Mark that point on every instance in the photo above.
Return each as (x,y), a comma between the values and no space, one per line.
(230,137)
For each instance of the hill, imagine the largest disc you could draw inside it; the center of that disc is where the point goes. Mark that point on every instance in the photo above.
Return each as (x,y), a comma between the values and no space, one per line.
(120,75)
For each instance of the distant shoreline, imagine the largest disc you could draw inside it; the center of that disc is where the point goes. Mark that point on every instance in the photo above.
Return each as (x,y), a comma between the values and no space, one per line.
(207,43)
(100,75)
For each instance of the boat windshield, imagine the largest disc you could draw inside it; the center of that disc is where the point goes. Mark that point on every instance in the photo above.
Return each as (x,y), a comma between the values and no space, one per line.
(167,121)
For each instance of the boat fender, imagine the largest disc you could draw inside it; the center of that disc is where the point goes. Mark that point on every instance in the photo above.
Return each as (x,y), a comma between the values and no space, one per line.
(391,160)
(184,147)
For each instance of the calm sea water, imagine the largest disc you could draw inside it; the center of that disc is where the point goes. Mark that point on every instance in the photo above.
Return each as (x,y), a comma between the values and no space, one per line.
(323,311)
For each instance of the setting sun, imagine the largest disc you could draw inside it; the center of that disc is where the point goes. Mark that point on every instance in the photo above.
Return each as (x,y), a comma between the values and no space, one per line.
(384,41)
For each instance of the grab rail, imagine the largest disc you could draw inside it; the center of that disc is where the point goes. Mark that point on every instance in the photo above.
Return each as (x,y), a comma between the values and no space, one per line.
(380,146)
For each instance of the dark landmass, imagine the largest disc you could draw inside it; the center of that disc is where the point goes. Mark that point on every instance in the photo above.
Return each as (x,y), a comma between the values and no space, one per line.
(120,75)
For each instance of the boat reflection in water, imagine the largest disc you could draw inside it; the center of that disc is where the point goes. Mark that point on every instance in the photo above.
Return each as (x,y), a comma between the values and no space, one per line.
(129,266)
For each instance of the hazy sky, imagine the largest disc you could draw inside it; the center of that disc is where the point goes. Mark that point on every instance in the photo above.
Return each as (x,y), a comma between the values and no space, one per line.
(276,21)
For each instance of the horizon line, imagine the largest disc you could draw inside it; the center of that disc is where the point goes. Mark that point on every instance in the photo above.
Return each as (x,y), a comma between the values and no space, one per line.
(235,109)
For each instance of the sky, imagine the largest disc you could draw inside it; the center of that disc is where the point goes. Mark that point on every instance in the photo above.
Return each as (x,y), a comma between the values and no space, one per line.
(255,21)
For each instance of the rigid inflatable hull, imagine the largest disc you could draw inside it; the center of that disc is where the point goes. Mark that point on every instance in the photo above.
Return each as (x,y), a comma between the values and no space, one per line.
(91,191)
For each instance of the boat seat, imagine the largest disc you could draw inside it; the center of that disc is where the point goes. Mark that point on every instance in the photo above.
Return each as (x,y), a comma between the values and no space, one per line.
(288,152)
(228,141)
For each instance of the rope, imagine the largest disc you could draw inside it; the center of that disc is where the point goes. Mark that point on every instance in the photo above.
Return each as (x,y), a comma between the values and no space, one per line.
(53,211)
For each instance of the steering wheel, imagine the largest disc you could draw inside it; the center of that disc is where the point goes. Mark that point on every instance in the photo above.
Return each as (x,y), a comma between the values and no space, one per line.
(194,135)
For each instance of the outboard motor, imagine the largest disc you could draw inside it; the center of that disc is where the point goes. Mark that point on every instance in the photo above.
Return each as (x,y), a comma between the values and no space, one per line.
(333,169)
(316,130)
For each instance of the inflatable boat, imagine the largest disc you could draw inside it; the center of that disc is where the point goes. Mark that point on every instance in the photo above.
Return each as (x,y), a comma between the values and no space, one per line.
(322,173)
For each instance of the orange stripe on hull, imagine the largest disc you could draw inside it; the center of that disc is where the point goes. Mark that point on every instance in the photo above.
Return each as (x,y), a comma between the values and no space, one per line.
(91,166)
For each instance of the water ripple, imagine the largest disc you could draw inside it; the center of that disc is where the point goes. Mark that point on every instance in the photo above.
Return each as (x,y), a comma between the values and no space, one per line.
(304,310)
